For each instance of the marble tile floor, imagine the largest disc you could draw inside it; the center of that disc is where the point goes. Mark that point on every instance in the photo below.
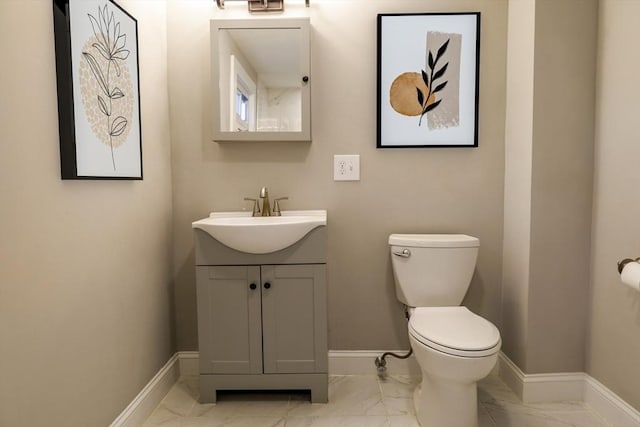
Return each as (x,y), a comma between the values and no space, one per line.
(355,401)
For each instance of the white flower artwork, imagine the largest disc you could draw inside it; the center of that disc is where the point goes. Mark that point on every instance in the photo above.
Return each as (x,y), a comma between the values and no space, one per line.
(97,65)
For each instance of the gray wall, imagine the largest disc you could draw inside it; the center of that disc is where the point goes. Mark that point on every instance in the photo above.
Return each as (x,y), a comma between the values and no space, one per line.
(401,190)
(517,180)
(85,292)
(613,350)
(548,182)
(561,312)
(562,183)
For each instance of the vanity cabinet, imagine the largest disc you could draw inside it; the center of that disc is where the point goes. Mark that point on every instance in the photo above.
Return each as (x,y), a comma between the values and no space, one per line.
(265,316)
(262,320)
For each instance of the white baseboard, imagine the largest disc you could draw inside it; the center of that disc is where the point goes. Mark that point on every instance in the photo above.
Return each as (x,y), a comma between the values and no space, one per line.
(510,374)
(531,388)
(189,363)
(342,362)
(186,363)
(534,388)
(576,386)
(151,395)
(609,405)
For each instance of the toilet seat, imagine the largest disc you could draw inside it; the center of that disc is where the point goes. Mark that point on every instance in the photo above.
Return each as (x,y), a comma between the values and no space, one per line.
(454,330)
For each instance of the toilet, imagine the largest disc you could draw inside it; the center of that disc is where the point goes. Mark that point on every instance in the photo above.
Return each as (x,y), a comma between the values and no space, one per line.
(454,347)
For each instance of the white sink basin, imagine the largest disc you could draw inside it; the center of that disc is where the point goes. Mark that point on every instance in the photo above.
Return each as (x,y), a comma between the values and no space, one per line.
(260,234)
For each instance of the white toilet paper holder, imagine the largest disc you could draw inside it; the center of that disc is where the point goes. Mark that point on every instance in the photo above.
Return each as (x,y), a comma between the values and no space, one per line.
(624,262)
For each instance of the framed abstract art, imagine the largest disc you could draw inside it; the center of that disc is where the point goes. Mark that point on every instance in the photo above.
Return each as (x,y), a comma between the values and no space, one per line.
(98,90)
(428,67)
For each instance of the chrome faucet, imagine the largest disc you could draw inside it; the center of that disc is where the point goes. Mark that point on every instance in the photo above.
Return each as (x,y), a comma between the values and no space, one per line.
(266,208)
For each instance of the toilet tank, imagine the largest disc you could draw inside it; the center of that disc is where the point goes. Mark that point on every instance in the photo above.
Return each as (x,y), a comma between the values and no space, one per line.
(436,269)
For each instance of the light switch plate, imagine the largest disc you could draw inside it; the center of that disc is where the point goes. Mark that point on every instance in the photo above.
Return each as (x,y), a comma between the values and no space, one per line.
(346,167)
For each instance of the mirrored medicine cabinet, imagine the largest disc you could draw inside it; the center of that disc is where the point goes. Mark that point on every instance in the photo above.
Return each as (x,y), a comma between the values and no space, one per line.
(261,83)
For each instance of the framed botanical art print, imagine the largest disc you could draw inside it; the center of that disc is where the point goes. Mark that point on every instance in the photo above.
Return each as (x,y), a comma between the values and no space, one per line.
(98,90)
(428,67)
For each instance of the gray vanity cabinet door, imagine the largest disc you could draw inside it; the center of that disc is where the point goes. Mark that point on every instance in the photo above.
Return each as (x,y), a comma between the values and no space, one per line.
(229,320)
(294,319)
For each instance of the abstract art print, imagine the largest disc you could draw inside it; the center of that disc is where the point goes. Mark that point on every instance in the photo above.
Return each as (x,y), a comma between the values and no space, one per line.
(98,90)
(428,80)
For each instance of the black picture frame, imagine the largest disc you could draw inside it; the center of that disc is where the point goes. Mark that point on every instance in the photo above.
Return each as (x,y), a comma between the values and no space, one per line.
(428,79)
(97,73)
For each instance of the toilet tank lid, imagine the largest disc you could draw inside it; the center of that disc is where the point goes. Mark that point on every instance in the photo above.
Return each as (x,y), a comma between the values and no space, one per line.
(434,240)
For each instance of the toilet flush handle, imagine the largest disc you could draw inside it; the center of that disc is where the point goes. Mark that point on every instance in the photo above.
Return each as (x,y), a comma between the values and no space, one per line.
(406,253)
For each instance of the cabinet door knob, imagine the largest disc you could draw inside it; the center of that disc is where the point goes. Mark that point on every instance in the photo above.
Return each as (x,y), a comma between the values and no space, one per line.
(253,286)
(267,285)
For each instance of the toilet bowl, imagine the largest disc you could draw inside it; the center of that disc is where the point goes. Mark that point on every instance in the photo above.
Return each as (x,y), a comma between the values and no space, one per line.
(454,349)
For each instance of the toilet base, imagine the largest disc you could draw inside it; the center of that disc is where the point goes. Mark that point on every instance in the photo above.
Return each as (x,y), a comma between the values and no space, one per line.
(448,393)
(439,404)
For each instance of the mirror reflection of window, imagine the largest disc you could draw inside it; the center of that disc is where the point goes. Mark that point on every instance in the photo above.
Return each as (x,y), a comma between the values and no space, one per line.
(242,110)
(242,98)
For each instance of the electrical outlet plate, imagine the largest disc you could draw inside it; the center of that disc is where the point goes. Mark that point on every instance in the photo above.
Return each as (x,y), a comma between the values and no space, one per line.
(346,167)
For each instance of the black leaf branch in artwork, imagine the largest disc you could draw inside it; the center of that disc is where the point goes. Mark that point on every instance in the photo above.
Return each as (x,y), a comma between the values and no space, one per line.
(429,80)
(442,49)
(432,106)
(111,46)
(440,87)
(440,72)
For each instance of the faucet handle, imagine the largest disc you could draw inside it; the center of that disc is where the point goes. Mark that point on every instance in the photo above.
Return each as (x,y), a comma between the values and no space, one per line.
(256,206)
(276,205)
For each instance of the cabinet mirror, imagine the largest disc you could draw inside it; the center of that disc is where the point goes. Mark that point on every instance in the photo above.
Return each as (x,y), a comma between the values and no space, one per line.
(261,80)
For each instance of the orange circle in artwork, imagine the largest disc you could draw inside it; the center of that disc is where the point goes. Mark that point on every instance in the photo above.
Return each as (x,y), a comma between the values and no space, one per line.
(403,94)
